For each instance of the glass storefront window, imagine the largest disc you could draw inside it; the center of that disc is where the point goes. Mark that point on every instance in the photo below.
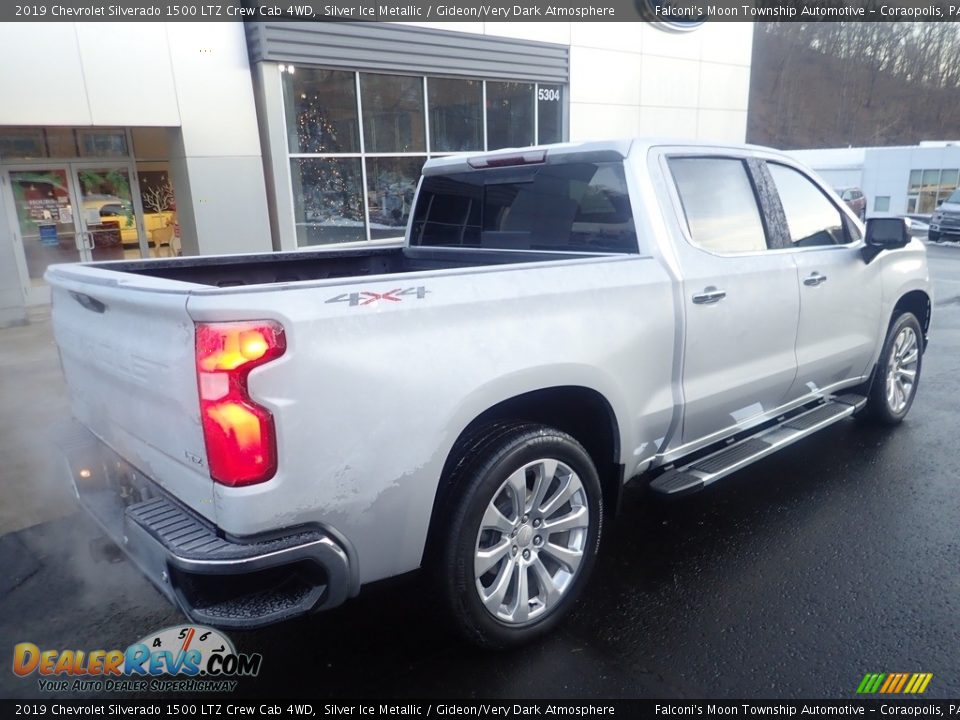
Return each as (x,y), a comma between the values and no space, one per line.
(392,113)
(391,183)
(456,114)
(328,206)
(159,208)
(510,112)
(26,143)
(22,144)
(358,140)
(914,182)
(948,183)
(929,188)
(321,110)
(928,191)
(549,114)
(102,144)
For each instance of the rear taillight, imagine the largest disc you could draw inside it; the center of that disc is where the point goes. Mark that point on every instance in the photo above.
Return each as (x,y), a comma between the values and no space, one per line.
(239,433)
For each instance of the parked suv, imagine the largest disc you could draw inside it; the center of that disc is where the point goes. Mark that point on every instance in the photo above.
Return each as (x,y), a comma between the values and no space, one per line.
(855,200)
(945,222)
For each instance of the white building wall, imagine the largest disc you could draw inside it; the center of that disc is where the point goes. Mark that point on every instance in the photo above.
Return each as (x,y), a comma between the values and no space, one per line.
(113,74)
(630,79)
(218,148)
(193,77)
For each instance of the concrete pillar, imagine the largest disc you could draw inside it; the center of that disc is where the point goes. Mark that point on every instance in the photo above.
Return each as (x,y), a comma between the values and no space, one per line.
(215,159)
(13,310)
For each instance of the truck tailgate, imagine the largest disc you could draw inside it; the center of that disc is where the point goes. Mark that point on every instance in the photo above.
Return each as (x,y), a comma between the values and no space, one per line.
(127,350)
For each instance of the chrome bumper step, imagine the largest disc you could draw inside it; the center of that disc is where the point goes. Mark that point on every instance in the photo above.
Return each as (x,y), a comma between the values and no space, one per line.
(696,475)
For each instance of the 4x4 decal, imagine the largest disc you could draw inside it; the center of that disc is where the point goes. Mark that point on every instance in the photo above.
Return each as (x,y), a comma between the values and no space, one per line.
(365,297)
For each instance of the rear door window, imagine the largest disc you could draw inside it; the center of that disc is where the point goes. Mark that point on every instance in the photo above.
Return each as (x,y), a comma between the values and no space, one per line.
(565,206)
(719,203)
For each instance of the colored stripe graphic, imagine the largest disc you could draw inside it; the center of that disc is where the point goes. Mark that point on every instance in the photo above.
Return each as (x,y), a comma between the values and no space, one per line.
(894,683)
(903,681)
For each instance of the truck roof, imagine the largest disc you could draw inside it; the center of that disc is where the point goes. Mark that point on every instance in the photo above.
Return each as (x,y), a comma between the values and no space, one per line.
(598,148)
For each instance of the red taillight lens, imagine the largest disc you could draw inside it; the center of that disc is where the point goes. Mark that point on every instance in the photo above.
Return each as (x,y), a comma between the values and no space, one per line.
(239,433)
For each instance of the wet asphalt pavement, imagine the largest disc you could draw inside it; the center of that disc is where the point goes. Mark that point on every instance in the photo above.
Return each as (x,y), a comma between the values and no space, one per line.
(791,579)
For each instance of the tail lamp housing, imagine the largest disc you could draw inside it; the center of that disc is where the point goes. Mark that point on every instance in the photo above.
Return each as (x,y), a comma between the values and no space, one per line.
(239,434)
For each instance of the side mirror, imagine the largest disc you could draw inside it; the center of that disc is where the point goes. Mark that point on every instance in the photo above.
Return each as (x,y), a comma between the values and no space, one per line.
(885,234)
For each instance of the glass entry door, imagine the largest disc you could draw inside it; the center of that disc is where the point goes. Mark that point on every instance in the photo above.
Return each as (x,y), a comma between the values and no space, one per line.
(73,212)
(45,211)
(109,219)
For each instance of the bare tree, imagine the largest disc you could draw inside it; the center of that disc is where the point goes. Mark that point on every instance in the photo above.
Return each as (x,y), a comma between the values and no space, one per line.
(816,84)
(159,198)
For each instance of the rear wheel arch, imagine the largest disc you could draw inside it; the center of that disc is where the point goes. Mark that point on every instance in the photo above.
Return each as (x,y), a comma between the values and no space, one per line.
(581,412)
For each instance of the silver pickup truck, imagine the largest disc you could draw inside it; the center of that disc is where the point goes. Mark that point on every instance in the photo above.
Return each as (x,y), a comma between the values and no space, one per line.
(263,435)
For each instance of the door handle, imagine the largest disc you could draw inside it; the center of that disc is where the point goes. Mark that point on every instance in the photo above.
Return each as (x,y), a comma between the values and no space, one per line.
(84,240)
(709,296)
(814,279)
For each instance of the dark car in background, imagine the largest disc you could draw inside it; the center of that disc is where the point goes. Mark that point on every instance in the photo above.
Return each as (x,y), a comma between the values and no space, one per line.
(855,200)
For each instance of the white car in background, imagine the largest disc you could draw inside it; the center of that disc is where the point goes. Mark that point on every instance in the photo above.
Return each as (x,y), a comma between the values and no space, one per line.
(945,221)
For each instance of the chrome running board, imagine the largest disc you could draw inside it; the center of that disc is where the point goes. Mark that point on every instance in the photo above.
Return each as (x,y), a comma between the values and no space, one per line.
(698,474)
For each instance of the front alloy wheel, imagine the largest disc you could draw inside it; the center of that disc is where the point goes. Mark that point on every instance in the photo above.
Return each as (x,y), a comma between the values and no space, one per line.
(902,369)
(898,372)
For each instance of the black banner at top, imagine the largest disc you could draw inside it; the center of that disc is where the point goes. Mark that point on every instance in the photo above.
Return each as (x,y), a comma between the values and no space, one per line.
(676,15)
(216,706)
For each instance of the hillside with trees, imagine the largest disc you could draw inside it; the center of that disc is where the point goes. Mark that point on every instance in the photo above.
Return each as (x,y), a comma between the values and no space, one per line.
(839,84)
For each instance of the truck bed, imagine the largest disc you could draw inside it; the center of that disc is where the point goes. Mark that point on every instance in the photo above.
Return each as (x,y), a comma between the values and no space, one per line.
(271,268)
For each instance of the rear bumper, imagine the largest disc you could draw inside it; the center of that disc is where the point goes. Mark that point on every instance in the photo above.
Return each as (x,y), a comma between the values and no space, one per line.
(212,579)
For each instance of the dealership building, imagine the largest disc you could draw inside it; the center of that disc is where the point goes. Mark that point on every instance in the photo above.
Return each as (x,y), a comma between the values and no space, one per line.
(122,140)
(904,180)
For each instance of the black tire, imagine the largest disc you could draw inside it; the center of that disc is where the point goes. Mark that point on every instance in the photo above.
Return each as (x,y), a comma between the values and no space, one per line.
(476,481)
(933,236)
(879,408)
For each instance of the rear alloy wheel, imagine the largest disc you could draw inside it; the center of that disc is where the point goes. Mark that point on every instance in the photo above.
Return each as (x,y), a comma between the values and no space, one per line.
(531,541)
(898,371)
(522,537)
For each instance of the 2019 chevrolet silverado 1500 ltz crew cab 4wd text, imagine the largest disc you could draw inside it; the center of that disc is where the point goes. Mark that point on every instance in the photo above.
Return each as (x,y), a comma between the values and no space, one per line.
(265,434)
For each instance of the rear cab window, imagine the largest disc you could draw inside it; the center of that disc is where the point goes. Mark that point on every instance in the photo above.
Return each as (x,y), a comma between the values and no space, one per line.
(566,206)
(719,203)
